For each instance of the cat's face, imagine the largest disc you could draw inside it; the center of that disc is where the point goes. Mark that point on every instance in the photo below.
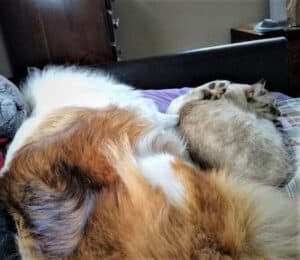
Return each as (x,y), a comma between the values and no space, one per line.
(254,98)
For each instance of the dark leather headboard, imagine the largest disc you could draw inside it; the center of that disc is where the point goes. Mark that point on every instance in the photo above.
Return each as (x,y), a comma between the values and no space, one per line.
(242,62)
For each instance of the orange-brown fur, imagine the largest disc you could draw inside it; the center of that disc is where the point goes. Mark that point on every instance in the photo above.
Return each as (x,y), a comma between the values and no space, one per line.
(84,167)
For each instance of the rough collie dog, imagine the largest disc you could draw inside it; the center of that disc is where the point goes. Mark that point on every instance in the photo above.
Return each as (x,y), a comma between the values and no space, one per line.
(95,173)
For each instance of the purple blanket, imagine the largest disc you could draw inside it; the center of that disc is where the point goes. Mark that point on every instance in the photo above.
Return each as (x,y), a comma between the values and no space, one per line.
(163,97)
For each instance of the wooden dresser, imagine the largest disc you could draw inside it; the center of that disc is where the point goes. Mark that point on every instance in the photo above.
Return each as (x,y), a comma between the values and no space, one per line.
(38,32)
(247,33)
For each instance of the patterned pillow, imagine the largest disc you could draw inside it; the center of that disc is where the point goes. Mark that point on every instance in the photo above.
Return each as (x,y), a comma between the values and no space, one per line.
(290,125)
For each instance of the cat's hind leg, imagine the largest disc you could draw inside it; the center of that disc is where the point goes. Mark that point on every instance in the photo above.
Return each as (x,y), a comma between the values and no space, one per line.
(217,89)
(210,91)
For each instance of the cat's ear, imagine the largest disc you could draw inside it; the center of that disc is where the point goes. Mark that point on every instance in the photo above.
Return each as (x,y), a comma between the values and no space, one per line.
(257,89)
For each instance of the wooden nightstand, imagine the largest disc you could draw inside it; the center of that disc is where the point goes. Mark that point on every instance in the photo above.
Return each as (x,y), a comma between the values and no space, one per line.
(247,33)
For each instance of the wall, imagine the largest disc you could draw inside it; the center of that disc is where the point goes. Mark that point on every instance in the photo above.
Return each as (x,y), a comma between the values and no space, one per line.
(153,27)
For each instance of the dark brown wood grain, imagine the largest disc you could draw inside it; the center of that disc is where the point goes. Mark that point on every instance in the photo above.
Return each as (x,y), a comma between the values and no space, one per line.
(38,32)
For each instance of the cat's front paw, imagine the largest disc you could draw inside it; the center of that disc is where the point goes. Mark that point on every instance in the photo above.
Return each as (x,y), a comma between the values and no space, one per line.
(269,111)
(265,106)
(216,89)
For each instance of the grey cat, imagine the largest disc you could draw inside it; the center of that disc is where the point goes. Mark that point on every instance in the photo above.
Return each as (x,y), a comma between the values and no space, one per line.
(230,125)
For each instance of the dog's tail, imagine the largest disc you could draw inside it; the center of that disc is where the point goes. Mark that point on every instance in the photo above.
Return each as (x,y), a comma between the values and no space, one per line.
(267,217)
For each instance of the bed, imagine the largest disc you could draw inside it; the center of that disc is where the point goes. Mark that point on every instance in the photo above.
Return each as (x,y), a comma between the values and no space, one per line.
(165,77)
(288,124)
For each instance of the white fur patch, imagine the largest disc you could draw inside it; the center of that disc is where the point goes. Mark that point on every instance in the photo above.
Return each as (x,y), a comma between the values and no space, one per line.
(80,87)
(159,140)
(157,169)
(176,105)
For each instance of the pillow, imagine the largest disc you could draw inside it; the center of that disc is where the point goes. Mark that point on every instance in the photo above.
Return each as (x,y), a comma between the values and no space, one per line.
(290,125)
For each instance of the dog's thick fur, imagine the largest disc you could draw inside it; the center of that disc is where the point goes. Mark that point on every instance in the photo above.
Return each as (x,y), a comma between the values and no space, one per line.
(107,182)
